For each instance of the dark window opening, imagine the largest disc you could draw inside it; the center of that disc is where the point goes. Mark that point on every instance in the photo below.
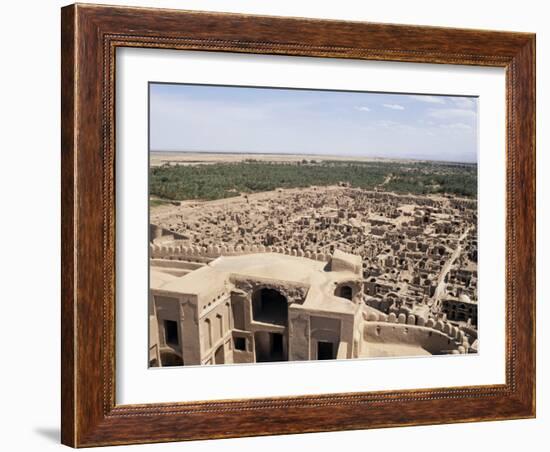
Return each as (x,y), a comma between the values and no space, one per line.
(270,306)
(276,344)
(325,350)
(171,332)
(240,343)
(170,359)
(269,347)
(346,292)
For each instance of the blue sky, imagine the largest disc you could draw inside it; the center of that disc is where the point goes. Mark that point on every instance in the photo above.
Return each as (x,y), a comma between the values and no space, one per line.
(266,120)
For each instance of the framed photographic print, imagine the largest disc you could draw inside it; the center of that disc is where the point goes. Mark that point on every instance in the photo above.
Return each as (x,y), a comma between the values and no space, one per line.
(281,225)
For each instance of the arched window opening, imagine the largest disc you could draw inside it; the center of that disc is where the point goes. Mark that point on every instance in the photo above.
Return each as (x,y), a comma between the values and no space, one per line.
(270,306)
(344,292)
(170,359)
(207,334)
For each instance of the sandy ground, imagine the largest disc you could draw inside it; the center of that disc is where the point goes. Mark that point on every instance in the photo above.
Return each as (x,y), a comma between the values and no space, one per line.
(380,350)
(162,213)
(158,158)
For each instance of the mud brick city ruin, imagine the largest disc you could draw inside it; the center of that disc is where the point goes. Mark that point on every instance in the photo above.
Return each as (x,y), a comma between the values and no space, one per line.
(328,271)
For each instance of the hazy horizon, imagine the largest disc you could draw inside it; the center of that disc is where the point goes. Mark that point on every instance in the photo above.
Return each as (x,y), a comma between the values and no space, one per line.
(251,120)
(327,156)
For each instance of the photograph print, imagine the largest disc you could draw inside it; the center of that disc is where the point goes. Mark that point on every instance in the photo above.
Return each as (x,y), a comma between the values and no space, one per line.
(297,224)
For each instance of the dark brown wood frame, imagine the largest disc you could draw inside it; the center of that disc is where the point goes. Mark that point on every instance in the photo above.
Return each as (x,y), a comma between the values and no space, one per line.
(90,35)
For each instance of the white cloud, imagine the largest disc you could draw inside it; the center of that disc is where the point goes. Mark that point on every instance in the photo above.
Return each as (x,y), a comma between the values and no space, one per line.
(394,106)
(428,99)
(386,123)
(394,126)
(196,122)
(426,123)
(464,102)
(456,125)
(452,113)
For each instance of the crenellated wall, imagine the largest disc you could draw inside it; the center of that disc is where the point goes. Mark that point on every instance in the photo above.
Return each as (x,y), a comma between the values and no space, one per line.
(206,254)
(434,336)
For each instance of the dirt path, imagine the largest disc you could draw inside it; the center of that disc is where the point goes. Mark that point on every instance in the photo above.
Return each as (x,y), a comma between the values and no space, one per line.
(441,284)
(386,181)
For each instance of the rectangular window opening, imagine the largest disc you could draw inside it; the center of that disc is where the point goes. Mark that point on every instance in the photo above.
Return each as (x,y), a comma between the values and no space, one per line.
(240,343)
(171,332)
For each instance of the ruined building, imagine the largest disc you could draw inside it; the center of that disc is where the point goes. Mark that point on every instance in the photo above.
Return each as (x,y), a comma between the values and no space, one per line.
(270,306)
(257,308)
(312,273)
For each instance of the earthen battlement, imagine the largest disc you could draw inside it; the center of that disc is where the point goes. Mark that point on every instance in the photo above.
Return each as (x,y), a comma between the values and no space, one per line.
(392,328)
(192,253)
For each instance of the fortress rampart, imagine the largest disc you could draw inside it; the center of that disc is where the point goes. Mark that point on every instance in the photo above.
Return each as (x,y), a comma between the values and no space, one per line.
(434,336)
(206,254)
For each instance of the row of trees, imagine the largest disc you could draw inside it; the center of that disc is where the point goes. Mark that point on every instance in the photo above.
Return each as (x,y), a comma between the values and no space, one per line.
(222,180)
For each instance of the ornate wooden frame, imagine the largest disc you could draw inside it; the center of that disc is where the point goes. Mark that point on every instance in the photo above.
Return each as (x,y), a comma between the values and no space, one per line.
(90,35)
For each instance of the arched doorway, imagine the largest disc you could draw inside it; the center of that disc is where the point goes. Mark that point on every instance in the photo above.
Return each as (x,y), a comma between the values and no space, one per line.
(270,306)
(270,347)
(344,291)
(325,350)
(170,359)
(219,355)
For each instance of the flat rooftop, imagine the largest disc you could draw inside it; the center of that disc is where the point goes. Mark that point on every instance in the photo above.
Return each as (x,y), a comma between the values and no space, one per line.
(299,270)
(292,270)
